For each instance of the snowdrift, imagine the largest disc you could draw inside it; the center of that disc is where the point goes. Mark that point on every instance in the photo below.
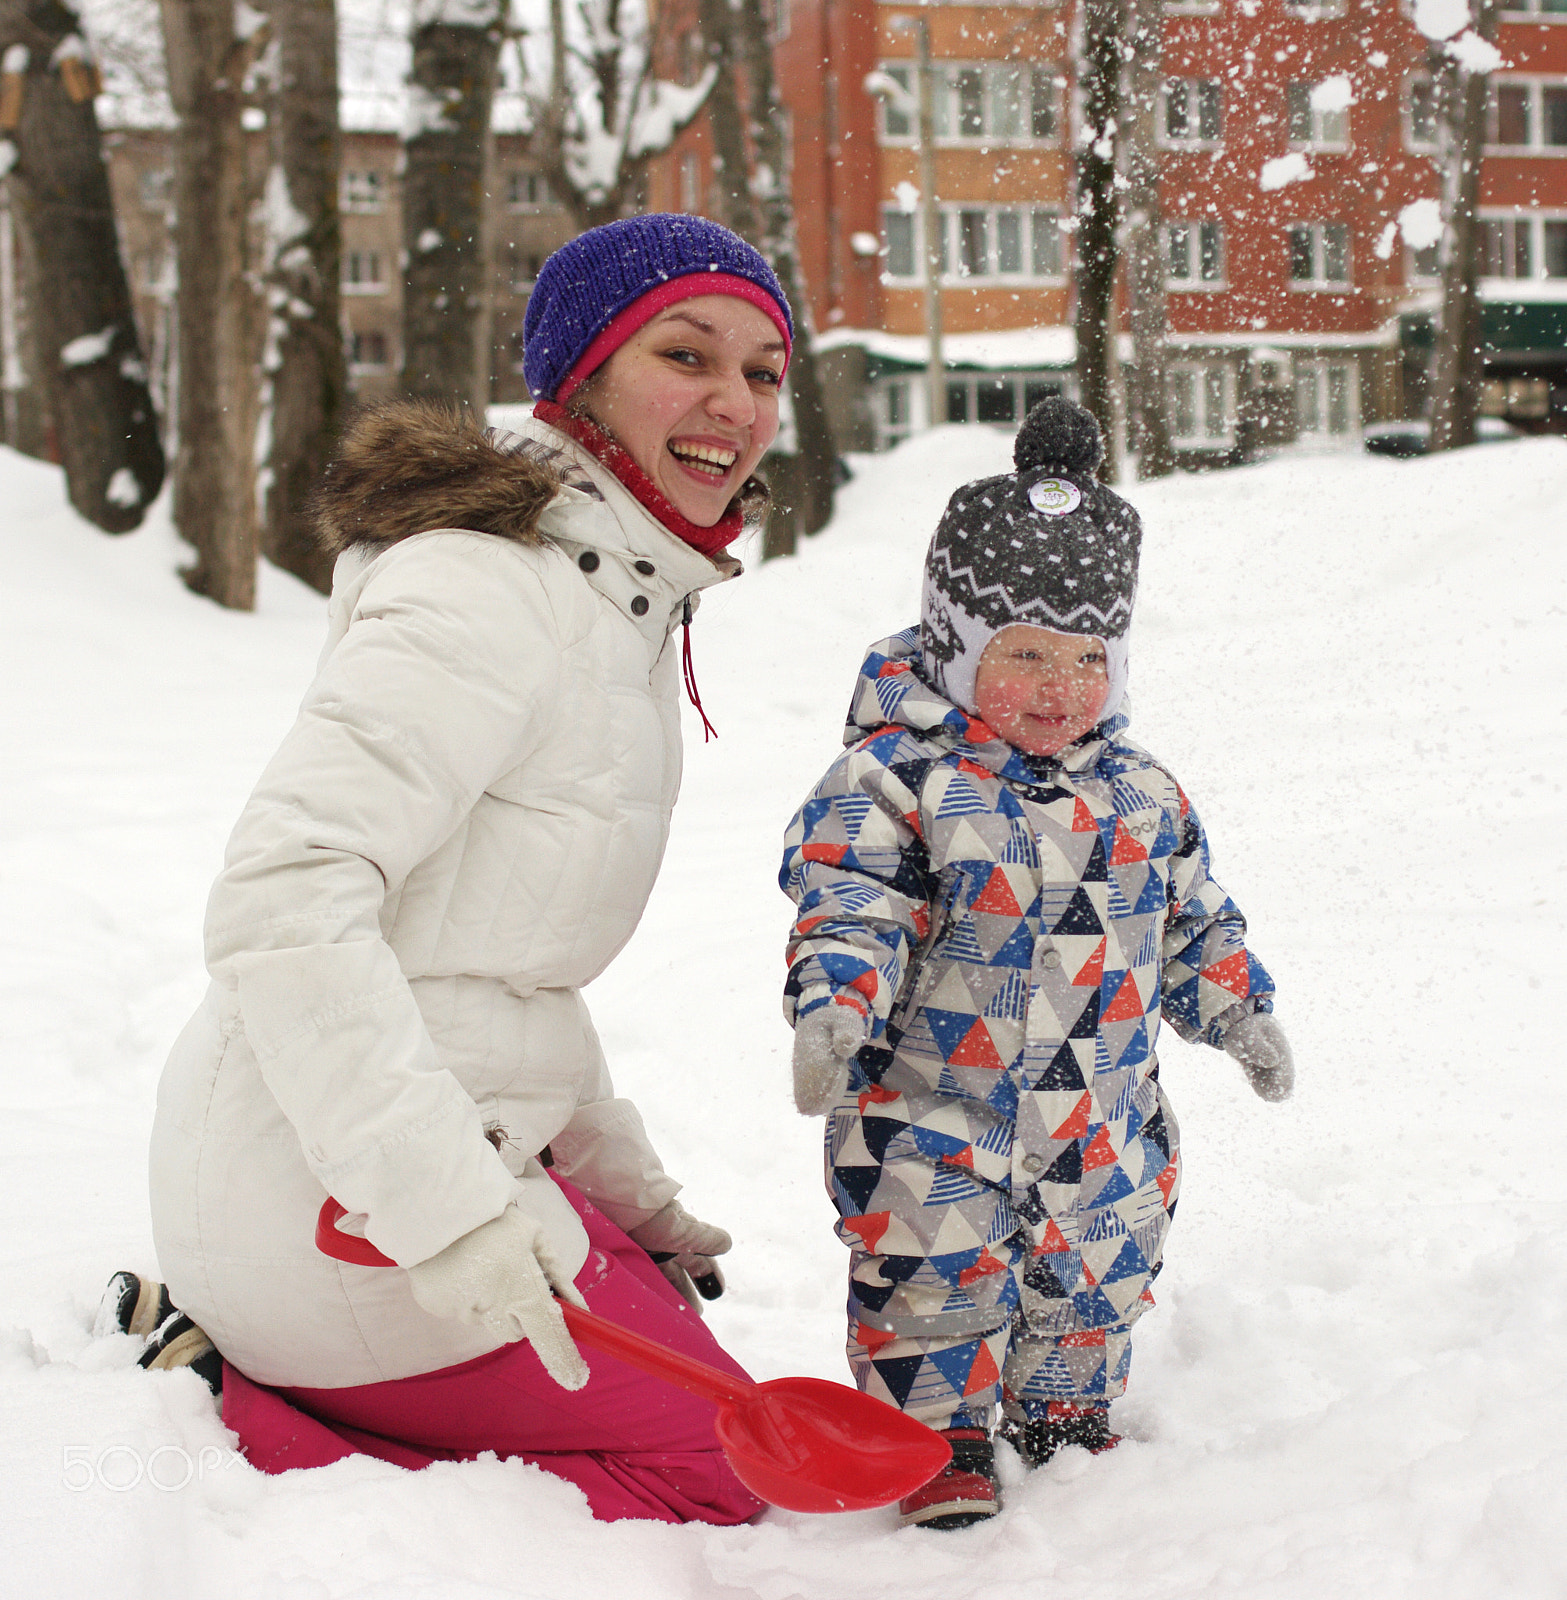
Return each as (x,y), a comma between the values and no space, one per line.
(1355,1383)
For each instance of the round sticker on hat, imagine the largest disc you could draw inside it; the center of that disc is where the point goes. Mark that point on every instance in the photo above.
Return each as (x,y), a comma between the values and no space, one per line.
(1055,497)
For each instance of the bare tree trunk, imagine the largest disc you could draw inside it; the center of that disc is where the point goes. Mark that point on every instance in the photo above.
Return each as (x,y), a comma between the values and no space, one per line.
(818,451)
(448,157)
(1099,73)
(1458,363)
(309,375)
(85,332)
(219,312)
(1144,21)
(726,121)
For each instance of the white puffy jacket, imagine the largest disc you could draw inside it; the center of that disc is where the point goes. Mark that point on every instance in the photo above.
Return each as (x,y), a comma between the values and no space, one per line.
(460,830)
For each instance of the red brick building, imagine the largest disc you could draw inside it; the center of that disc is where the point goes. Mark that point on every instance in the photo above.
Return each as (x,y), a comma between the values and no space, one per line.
(1294,134)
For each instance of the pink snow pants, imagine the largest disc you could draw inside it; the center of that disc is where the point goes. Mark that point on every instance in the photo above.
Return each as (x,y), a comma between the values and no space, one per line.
(635,1446)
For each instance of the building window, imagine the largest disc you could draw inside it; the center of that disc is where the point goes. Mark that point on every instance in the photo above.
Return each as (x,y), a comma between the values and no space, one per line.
(1314,10)
(367,351)
(362,272)
(690,182)
(894,422)
(998,399)
(899,112)
(898,231)
(1313,126)
(1327,397)
(156,187)
(1201,399)
(996,102)
(1318,255)
(1425,264)
(978,242)
(1522,244)
(1528,114)
(1525,399)
(526,191)
(524,270)
(776,15)
(1195,252)
(361,191)
(1536,8)
(1193,111)
(155,272)
(1422,111)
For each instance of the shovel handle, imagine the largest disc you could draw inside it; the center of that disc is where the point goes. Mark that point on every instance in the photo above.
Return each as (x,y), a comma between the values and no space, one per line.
(647,1355)
(354,1247)
(609,1338)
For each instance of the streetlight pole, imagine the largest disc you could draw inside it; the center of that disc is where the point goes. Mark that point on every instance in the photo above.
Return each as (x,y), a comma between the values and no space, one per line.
(930,222)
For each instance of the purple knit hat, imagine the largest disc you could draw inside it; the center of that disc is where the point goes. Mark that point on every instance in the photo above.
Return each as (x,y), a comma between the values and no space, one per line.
(579,305)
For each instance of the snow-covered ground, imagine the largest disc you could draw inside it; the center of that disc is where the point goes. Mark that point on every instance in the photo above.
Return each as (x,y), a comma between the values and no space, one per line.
(1355,1383)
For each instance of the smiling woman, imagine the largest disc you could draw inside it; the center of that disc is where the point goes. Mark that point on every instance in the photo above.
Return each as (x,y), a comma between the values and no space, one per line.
(460,832)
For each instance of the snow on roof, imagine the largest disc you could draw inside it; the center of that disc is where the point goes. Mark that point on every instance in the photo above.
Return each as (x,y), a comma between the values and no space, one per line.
(372,63)
(1010,349)
(1005,348)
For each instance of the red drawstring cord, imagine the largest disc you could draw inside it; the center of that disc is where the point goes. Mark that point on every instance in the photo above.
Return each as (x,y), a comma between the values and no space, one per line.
(689,671)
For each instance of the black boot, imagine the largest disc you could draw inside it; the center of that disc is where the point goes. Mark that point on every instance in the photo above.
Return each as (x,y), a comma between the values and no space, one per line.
(132,1305)
(1063,1424)
(142,1307)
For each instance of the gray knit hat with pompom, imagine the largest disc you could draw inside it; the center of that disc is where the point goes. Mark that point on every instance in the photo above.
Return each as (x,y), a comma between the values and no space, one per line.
(1048,545)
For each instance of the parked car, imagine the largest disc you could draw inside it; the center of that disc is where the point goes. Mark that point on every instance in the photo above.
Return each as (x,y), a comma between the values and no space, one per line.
(1405,439)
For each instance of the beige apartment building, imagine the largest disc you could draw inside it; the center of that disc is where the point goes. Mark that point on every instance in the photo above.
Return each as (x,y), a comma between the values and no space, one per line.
(528,225)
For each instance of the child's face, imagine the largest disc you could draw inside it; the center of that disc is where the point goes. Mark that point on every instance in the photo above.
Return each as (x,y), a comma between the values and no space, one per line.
(1040,689)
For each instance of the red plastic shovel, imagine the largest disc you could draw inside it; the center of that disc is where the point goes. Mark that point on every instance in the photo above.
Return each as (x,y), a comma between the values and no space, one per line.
(800,1443)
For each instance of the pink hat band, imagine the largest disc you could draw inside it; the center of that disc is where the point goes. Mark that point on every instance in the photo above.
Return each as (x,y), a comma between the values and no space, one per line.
(642,310)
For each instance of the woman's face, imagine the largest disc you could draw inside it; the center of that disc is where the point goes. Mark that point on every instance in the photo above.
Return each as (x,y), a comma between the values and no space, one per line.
(692,397)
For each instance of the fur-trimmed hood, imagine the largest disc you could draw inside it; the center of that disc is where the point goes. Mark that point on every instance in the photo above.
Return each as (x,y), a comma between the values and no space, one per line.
(407,466)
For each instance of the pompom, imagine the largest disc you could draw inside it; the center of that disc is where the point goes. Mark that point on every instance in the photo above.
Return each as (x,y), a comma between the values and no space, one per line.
(1061,436)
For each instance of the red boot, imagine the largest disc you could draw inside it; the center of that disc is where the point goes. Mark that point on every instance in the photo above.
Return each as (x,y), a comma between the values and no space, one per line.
(963,1492)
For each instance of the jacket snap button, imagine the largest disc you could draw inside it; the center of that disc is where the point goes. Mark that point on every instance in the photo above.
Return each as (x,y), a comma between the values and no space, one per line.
(1033,1163)
(639,605)
(645,568)
(1050,959)
(589,561)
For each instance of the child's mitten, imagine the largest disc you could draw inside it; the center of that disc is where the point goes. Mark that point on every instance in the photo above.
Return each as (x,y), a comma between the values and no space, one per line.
(1258,1043)
(501,1276)
(824,1040)
(683,1249)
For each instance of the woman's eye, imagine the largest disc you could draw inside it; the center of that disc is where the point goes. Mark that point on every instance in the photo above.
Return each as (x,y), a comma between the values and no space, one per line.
(687,358)
(767,376)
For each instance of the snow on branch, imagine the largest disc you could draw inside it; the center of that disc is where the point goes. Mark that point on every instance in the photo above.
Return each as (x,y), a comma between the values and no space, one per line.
(597,112)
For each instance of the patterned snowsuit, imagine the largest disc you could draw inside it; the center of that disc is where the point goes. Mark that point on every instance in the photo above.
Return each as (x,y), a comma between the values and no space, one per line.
(1004,1163)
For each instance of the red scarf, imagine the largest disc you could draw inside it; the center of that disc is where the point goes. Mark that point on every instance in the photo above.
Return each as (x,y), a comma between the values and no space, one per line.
(607,450)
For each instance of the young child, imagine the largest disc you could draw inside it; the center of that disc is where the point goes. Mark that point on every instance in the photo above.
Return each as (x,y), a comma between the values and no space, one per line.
(998,895)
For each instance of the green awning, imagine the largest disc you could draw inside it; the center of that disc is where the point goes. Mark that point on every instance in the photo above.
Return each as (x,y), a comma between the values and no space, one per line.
(1525,324)
(1533,325)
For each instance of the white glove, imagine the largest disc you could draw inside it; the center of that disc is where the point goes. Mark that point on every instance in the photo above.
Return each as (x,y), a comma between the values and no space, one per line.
(682,1248)
(1258,1043)
(824,1040)
(499,1277)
